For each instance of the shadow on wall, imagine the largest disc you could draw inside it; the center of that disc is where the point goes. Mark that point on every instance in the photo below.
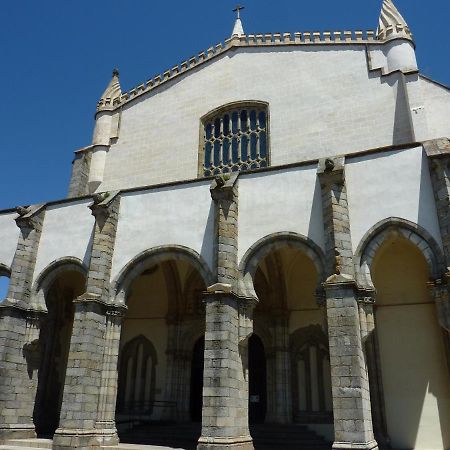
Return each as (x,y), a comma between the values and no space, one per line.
(403,130)
(427,214)
(207,250)
(315,228)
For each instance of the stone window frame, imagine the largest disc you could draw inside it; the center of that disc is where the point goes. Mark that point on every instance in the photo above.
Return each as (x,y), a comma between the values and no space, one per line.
(221,110)
(138,346)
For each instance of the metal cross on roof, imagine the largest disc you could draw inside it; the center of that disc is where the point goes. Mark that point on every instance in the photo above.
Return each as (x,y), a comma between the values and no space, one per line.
(238,10)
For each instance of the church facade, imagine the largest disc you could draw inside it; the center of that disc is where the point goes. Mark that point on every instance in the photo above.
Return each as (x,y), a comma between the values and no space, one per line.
(259,235)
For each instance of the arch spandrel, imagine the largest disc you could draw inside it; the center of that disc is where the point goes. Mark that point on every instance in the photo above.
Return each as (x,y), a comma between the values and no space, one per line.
(45,279)
(121,284)
(276,241)
(391,228)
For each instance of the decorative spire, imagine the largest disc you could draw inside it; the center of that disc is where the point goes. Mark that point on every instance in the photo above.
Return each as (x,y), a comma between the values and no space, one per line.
(391,23)
(238,29)
(112,91)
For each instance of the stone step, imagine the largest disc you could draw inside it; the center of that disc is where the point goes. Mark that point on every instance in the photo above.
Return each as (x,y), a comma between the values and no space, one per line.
(16,447)
(138,447)
(26,444)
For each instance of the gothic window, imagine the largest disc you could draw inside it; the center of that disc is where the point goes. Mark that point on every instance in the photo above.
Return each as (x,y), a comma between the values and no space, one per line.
(137,377)
(235,138)
(311,382)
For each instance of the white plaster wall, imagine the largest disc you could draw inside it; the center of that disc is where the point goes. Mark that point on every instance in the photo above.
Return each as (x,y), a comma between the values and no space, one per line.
(9,235)
(322,102)
(390,184)
(437,104)
(67,231)
(273,202)
(168,216)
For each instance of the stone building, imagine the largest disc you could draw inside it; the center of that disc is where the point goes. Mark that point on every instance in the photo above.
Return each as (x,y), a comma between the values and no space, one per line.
(259,234)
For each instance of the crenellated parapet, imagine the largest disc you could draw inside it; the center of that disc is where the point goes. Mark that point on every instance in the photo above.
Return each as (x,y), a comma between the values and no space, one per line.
(306,38)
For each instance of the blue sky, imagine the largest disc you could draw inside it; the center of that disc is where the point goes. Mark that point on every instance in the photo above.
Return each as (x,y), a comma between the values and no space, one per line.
(57,58)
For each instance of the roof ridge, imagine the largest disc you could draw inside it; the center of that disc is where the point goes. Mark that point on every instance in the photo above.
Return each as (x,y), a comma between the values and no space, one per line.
(245,40)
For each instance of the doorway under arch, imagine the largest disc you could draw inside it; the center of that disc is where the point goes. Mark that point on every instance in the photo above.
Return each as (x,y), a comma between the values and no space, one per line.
(257,380)
(196,393)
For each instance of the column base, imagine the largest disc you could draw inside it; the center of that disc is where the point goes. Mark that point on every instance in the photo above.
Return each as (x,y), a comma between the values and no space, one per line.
(219,443)
(371,445)
(18,431)
(83,439)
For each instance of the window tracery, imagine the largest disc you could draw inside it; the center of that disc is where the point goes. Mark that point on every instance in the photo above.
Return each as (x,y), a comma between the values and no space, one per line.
(235,138)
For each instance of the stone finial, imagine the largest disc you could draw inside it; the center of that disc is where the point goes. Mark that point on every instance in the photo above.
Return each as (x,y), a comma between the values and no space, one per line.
(391,23)
(112,91)
(238,29)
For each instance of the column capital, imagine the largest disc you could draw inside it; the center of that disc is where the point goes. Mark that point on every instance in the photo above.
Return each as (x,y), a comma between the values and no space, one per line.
(331,171)
(437,148)
(101,208)
(28,217)
(222,186)
(109,309)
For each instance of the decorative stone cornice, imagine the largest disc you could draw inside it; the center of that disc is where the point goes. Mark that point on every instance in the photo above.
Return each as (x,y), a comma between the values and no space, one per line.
(391,24)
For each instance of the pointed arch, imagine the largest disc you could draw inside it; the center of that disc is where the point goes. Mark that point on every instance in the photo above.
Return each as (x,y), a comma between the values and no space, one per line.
(383,230)
(45,279)
(137,376)
(120,286)
(254,255)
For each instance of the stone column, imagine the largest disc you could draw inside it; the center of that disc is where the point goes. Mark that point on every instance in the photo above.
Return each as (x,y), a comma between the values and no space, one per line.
(371,350)
(88,408)
(438,152)
(19,333)
(228,326)
(349,378)
(169,412)
(283,394)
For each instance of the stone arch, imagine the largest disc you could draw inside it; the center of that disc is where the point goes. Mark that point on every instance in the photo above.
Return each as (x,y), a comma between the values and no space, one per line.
(254,255)
(380,232)
(45,279)
(132,269)
(5,271)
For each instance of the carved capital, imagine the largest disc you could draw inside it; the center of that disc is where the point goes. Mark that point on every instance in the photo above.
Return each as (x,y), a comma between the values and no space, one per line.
(437,148)
(101,208)
(29,218)
(331,171)
(222,186)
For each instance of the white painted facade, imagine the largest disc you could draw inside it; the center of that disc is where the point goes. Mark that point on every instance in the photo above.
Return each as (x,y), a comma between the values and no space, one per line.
(67,232)
(363,104)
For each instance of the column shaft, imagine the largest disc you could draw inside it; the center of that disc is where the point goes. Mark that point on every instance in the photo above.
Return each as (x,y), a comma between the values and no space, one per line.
(228,326)
(349,377)
(19,333)
(88,408)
